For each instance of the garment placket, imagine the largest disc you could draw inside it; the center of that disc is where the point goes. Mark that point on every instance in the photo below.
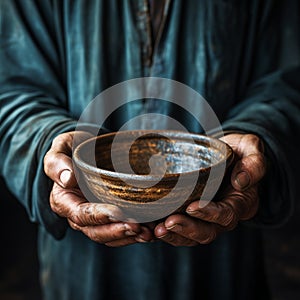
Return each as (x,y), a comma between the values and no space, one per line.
(150,59)
(156,58)
(143,24)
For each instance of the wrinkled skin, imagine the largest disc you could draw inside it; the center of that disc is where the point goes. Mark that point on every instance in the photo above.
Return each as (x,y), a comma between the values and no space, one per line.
(99,222)
(239,201)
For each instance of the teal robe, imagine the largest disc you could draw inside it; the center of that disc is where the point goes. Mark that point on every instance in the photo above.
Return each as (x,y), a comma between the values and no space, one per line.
(56,56)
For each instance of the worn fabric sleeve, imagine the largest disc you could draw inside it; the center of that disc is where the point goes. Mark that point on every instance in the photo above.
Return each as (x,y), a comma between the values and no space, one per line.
(270,107)
(33,104)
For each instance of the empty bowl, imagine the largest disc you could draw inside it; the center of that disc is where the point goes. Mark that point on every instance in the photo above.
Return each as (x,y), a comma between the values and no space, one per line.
(151,174)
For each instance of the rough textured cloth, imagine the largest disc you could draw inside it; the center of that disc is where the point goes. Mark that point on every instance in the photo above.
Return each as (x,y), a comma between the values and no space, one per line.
(56,56)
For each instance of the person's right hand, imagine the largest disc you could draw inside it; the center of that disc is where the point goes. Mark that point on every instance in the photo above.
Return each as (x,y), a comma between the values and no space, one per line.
(97,221)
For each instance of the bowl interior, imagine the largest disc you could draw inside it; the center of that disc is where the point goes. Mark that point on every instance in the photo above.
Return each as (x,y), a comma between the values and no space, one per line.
(154,153)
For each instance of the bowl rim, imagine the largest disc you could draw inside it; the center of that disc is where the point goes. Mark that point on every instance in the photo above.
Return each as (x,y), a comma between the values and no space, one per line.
(84,166)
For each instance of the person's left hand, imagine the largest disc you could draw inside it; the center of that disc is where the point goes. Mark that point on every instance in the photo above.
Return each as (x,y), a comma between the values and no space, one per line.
(239,200)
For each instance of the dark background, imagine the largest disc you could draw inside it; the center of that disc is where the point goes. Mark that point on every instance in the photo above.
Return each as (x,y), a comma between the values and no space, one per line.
(19,264)
(18,259)
(282,257)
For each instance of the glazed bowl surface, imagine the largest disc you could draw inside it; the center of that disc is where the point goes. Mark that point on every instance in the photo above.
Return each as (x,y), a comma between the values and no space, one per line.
(150,174)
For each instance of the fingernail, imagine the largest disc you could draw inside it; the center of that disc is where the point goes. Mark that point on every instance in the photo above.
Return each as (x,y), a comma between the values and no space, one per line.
(140,240)
(242,179)
(65,176)
(162,236)
(130,233)
(175,227)
(191,212)
(197,212)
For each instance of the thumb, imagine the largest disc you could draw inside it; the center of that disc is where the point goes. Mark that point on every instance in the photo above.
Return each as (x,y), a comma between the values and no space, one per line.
(248,171)
(58,163)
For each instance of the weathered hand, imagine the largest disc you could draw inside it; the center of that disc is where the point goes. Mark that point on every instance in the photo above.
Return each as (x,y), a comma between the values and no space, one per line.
(239,201)
(97,221)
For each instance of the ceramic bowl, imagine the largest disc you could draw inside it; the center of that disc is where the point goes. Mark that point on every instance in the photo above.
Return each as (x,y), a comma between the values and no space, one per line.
(150,174)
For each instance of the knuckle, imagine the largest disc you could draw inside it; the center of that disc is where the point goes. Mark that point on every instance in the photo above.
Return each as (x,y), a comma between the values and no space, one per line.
(254,165)
(86,210)
(62,142)
(60,139)
(54,200)
(109,210)
(48,162)
(89,213)
(229,218)
(254,142)
(77,218)
(253,139)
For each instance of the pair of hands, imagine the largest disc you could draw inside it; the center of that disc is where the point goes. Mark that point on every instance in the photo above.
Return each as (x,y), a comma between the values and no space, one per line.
(100,222)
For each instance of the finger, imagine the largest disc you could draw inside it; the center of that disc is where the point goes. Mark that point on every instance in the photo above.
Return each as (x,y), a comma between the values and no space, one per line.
(150,225)
(144,236)
(58,162)
(234,206)
(193,229)
(177,240)
(220,212)
(250,144)
(72,205)
(65,201)
(244,144)
(251,167)
(172,238)
(88,214)
(59,168)
(245,204)
(109,232)
(248,171)
(122,242)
